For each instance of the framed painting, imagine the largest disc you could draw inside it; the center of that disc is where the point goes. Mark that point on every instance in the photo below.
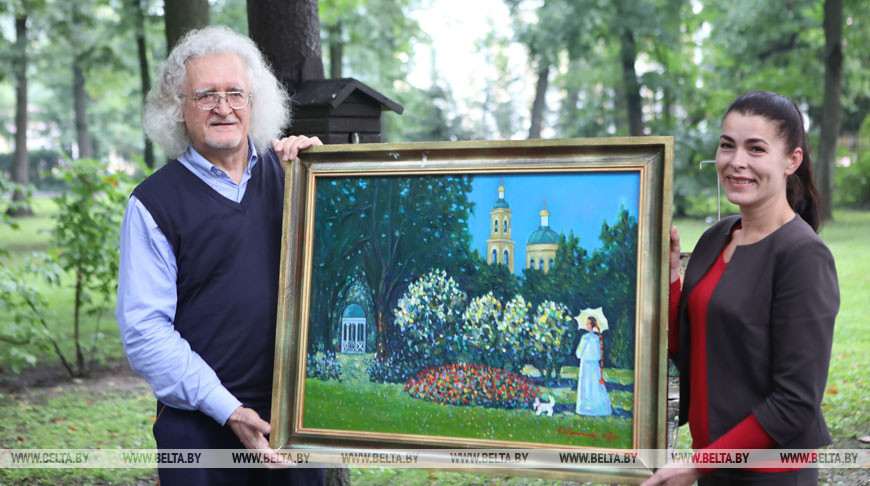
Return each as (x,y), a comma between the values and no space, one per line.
(507,294)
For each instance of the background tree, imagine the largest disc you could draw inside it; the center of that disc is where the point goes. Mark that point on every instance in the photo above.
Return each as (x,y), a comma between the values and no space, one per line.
(21,165)
(139,32)
(630,14)
(832,107)
(78,19)
(181,16)
(288,33)
(544,38)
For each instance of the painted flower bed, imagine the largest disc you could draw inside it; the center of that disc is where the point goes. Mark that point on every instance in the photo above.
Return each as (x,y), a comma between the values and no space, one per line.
(473,384)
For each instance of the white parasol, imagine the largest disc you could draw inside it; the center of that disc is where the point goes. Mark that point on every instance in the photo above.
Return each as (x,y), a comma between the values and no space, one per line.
(597,313)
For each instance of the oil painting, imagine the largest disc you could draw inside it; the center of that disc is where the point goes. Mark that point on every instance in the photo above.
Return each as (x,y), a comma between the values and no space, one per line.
(473,295)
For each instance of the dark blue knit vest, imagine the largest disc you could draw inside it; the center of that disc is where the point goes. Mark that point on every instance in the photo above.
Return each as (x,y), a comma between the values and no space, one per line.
(227,255)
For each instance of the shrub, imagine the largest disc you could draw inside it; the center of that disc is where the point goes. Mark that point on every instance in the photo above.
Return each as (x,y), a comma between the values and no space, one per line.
(481,330)
(323,366)
(428,317)
(473,384)
(494,335)
(551,338)
(87,228)
(390,370)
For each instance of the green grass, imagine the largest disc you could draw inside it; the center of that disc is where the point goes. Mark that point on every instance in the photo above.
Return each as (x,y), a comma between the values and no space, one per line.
(845,403)
(73,416)
(34,233)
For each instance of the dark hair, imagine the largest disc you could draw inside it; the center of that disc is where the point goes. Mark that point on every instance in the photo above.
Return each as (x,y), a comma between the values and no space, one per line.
(800,189)
(594,321)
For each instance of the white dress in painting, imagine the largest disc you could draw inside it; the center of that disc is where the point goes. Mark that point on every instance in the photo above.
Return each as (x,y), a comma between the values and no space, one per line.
(592,396)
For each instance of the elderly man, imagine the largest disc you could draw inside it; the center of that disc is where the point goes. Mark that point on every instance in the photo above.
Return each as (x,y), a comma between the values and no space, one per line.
(200,245)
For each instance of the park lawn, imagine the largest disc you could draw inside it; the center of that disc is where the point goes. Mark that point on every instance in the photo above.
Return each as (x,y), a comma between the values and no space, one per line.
(77,416)
(845,402)
(34,232)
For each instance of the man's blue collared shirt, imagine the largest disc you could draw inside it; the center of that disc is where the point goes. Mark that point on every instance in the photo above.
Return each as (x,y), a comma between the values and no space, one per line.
(147,298)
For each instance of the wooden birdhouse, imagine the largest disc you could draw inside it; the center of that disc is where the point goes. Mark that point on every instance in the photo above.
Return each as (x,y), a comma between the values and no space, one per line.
(340,110)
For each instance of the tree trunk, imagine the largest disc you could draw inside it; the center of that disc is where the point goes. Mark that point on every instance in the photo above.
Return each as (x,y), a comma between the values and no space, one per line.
(336,49)
(832,111)
(570,113)
(628,54)
(181,16)
(540,99)
(288,33)
(143,69)
(80,357)
(80,95)
(21,165)
(80,102)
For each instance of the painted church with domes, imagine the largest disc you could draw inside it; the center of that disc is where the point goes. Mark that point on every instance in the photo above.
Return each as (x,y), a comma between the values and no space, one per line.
(540,247)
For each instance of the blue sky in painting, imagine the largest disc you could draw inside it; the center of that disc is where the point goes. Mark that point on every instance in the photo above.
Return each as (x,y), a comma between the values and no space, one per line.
(578,202)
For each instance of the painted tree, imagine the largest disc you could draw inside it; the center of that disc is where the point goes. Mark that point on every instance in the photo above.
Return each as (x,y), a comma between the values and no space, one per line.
(614,278)
(477,278)
(410,226)
(337,246)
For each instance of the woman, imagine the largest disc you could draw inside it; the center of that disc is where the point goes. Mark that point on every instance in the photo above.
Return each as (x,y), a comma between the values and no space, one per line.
(592,396)
(751,331)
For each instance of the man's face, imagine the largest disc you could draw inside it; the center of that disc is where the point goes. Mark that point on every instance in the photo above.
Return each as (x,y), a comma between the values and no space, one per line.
(221,130)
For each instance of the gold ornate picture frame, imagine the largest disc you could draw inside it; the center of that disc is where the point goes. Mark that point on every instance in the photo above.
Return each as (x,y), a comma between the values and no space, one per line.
(439,295)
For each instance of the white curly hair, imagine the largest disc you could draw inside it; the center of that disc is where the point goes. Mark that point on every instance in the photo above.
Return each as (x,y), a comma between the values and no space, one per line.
(270,103)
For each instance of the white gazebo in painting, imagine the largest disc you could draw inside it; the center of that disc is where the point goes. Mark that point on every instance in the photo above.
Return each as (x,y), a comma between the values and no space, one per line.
(353,330)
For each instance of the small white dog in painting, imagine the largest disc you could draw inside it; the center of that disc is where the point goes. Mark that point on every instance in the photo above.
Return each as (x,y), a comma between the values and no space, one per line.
(546,408)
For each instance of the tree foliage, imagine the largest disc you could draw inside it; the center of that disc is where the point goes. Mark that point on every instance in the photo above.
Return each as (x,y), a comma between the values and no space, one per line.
(87,233)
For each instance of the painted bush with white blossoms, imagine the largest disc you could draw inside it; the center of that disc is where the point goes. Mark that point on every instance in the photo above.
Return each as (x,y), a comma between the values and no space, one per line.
(429,319)
(515,333)
(551,338)
(481,333)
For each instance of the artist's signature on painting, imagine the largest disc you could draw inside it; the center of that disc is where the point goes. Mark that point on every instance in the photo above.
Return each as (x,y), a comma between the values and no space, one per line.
(607,436)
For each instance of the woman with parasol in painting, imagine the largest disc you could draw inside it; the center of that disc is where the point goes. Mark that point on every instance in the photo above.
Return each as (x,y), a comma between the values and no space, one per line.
(592,396)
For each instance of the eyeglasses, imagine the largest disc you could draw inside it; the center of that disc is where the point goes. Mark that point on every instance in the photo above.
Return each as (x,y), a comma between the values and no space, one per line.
(207,101)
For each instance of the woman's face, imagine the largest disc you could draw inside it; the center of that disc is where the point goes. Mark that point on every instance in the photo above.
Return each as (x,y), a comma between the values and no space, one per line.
(752,161)
(589,325)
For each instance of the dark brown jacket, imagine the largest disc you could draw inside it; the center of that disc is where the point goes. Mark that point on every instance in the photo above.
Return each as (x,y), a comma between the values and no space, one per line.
(770,326)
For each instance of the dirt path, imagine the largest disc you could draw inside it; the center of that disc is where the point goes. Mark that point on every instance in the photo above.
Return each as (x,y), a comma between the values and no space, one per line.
(53,380)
